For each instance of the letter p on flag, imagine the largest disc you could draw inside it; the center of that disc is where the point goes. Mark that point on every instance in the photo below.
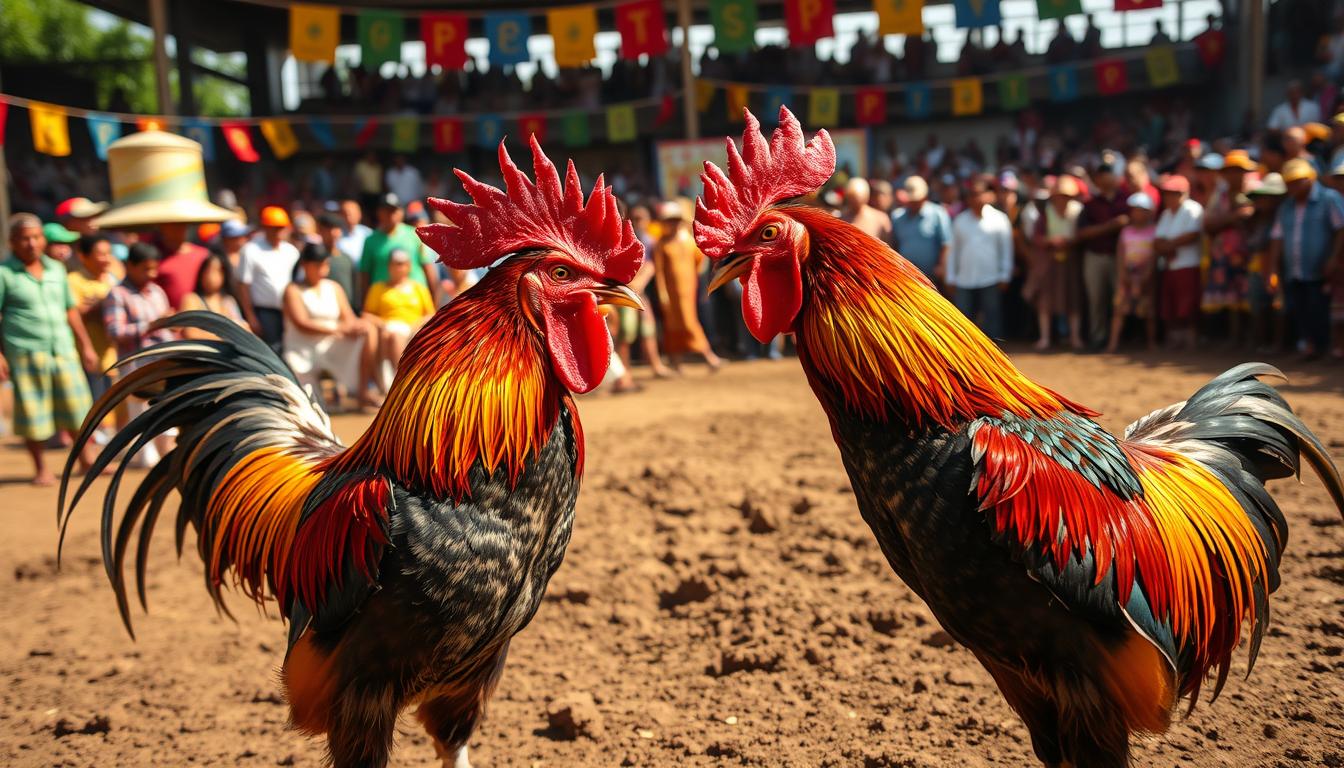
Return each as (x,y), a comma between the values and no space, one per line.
(808,20)
(445,39)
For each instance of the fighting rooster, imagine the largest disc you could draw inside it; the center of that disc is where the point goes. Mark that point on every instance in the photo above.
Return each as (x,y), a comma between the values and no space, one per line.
(405,562)
(1099,580)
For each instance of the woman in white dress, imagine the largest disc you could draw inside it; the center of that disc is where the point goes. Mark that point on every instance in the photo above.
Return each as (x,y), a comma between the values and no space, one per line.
(322,332)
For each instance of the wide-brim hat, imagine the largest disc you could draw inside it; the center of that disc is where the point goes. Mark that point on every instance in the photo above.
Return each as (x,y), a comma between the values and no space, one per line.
(158,178)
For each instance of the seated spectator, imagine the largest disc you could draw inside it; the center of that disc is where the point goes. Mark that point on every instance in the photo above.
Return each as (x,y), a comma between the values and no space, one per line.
(397,308)
(213,293)
(128,312)
(90,283)
(1136,266)
(1177,245)
(322,334)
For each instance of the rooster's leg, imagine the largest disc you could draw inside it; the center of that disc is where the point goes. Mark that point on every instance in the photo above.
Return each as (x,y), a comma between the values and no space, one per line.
(451,712)
(1037,711)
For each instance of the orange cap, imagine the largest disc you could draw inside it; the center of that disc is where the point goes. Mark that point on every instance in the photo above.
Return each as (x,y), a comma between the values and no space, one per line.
(206,232)
(274,216)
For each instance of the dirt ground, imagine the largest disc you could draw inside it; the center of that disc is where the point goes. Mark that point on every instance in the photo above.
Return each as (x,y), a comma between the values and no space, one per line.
(721,603)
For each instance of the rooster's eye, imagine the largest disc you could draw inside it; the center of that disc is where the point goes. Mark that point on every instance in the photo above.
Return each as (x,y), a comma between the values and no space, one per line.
(561,273)
(769,232)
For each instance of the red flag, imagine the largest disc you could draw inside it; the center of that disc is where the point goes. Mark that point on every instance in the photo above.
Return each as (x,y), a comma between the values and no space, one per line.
(445,38)
(1112,77)
(870,106)
(808,20)
(1212,44)
(667,109)
(643,28)
(533,125)
(365,133)
(1136,5)
(448,135)
(239,140)
(4,115)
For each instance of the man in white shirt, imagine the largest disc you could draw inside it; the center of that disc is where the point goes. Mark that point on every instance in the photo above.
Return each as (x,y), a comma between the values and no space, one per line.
(1177,245)
(404,181)
(1295,110)
(353,232)
(980,261)
(266,267)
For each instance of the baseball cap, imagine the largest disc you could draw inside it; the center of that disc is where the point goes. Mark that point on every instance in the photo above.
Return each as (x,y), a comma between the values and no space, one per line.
(314,252)
(1174,182)
(1270,186)
(79,208)
(234,228)
(415,211)
(1140,200)
(1240,159)
(329,220)
(274,216)
(207,231)
(1008,181)
(1109,162)
(55,233)
(1316,131)
(390,200)
(1296,170)
(1210,161)
(916,187)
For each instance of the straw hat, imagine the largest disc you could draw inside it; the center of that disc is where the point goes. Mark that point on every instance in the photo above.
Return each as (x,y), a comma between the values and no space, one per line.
(157,178)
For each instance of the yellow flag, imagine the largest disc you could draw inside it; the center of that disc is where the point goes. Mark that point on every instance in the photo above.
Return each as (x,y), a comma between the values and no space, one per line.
(823,107)
(573,29)
(899,17)
(280,135)
(704,94)
(738,97)
(314,32)
(1162,67)
(968,96)
(51,129)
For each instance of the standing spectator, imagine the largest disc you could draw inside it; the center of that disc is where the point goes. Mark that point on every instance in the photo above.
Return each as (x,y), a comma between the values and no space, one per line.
(1177,246)
(1306,244)
(128,312)
(1226,285)
(404,181)
(44,343)
(1055,273)
(181,261)
(676,263)
(980,260)
(858,212)
(304,229)
(883,196)
(61,244)
(323,334)
(77,214)
(233,235)
(1137,179)
(633,325)
(397,308)
(1295,109)
(267,268)
(1136,266)
(921,230)
(1099,225)
(1265,299)
(340,267)
(214,293)
(353,233)
(90,284)
(368,176)
(392,234)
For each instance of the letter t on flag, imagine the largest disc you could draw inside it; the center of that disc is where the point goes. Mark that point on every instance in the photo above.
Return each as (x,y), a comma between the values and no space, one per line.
(445,38)
(643,28)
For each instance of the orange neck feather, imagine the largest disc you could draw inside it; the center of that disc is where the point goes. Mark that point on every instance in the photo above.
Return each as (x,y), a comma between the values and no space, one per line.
(876,339)
(475,384)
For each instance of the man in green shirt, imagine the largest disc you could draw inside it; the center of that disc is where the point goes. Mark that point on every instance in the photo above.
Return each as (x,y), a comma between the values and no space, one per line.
(46,348)
(392,234)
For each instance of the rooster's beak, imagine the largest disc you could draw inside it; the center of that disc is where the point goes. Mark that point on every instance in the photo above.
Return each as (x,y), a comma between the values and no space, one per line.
(733,267)
(619,295)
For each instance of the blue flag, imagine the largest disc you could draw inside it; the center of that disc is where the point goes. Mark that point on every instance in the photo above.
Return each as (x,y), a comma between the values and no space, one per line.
(775,97)
(1063,82)
(202,133)
(972,14)
(918,101)
(489,130)
(508,33)
(321,131)
(103,129)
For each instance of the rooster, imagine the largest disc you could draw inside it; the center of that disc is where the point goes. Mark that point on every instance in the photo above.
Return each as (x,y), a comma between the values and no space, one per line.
(405,562)
(1099,580)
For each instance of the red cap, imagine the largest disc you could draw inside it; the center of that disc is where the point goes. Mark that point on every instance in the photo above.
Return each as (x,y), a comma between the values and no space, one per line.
(1194,143)
(1174,182)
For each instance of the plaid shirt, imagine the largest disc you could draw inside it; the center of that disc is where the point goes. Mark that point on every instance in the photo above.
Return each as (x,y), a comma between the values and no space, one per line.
(128,313)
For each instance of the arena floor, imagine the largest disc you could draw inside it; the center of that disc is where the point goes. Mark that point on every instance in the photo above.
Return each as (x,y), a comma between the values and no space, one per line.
(721,603)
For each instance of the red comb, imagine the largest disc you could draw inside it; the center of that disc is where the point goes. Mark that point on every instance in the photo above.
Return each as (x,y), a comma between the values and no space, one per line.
(787,167)
(541,215)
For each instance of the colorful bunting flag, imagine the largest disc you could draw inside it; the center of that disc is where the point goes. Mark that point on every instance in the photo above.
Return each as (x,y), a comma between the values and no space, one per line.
(239,140)
(314,32)
(1014,93)
(1162,67)
(405,134)
(1058,9)
(704,95)
(738,99)
(51,129)
(364,133)
(808,20)
(4,118)
(899,17)
(968,96)
(508,33)
(103,130)
(574,128)
(823,107)
(918,101)
(776,96)
(448,135)
(532,125)
(1063,81)
(143,124)
(1212,45)
(321,131)
(870,106)
(621,123)
(201,132)
(734,24)
(445,39)
(280,135)
(973,14)
(1112,77)
(573,30)
(380,34)
(1136,5)
(643,28)
(489,131)
(667,109)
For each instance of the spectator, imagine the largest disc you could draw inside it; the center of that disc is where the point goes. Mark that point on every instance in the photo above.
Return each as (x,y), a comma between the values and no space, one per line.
(1099,225)
(1136,266)
(44,343)
(980,259)
(233,235)
(340,266)
(676,263)
(181,261)
(77,213)
(1137,179)
(368,177)
(921,230)
(61,244)
(858,212)
(1337,141)
(1295,146)
(1295,109)
(635,326)
(129,311)
(322,334)
(397,308)
(1306,246)
(213,293)
(353,233)
(404,181)
(1264,297)
(1226,285)
(1055,271)
(304,229)
(1177,247)
(267,268)
(884,197)
(90,284)
(392,233)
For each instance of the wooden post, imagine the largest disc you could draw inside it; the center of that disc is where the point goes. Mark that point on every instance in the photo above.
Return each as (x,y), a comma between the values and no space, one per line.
(158,18)
(1255,33)
(690,115)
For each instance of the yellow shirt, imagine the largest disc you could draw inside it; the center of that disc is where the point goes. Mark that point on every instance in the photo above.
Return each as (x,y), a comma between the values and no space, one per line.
(407,303)
(89,290)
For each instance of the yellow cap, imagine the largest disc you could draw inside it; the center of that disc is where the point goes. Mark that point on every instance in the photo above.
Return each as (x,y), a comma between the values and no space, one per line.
(1239,158)
(1296,170)
(1317,131)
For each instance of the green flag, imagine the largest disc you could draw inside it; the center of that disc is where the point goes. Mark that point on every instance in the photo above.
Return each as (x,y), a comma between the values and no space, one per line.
(405,134)
(1013,93)
(734,24)
(1058,9)
(574,129)
(380,35)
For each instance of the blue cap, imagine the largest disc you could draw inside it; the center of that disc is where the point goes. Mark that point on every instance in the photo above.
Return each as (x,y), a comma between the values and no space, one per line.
(1210,162)
(234,228)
